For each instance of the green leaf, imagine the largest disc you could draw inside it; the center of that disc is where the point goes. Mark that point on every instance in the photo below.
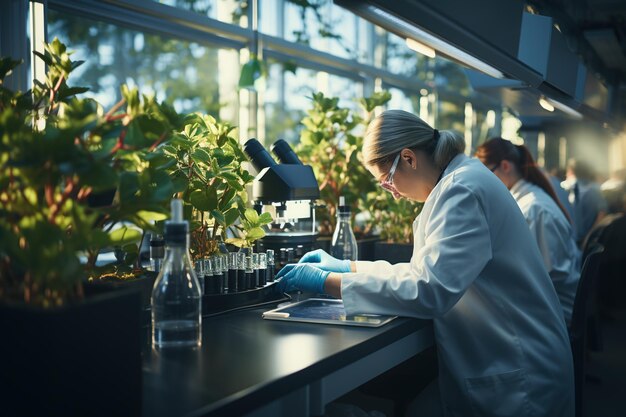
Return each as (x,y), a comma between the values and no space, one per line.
(200,200)
(201,156)
(179,183)
(231,216)
(124,236)
(265,218)
(252,216)
(227,199)
(219,217)
(129,186)
(254,234)
(151,215)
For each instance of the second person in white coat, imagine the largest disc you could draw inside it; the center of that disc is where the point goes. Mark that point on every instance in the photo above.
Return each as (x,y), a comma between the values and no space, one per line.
(476,271)
(548,220)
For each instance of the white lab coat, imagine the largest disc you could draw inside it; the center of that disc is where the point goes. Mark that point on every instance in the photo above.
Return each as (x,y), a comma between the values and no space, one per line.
(501,338)
(555,237)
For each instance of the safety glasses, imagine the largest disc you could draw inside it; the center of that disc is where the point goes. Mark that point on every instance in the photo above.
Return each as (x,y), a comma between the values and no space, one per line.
(387,183)
(496,166)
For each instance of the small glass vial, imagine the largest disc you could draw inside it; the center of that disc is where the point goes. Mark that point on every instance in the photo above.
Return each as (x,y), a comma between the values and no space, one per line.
(199,269)
(269,273)
(255,268)
(213,280)
(282,258)
(157,252)
(262,269)
(242,281)
(224,269)
(249,274)
(176,295)
(233,272)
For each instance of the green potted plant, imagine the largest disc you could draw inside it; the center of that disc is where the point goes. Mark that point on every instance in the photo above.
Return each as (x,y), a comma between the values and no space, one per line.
(69,352)
(394,219)
(331,143)
(204,163)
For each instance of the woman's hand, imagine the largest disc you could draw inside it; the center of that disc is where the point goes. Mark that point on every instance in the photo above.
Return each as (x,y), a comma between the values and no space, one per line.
(304,277)
(326,262)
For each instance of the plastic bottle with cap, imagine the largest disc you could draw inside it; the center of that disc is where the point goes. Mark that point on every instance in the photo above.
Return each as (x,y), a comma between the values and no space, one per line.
(343,244)
(176,295)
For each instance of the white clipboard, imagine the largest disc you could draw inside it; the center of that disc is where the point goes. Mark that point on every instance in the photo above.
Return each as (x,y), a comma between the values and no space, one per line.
(325,311)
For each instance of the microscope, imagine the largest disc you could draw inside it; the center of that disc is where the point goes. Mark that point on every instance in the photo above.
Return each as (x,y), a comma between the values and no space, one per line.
(288,191)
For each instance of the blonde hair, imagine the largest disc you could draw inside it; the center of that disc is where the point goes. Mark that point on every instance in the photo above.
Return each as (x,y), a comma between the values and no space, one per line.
(394,130)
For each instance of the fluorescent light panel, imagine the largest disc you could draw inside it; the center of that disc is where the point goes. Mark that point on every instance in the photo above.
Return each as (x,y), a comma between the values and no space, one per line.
(545,105)
(437,44)
(565,108)
(420,47)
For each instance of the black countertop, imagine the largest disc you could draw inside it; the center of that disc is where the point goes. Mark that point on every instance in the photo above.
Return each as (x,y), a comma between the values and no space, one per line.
(246,362)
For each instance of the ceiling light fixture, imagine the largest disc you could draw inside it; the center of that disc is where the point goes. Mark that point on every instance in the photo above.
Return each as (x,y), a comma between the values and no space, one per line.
(378,15)
(545,104)
(420,47)
(565,108)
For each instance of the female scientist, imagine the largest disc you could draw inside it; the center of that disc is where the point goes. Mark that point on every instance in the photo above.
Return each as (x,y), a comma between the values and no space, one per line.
(476,271)
(547,218)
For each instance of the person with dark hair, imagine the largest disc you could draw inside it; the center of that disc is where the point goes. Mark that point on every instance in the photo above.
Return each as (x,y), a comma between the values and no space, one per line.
(548,220)
(585,196)
(476,271)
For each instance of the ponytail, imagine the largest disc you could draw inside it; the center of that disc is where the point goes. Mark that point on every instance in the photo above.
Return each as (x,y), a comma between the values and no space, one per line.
(496,150)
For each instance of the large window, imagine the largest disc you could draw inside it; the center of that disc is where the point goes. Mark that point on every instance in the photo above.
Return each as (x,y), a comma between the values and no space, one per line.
(183,73)
(288,97)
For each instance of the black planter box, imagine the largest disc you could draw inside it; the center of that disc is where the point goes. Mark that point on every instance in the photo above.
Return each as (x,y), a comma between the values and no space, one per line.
(393,252)
(78,360)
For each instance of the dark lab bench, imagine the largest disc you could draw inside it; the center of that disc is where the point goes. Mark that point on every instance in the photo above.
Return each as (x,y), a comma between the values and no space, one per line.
(248,366)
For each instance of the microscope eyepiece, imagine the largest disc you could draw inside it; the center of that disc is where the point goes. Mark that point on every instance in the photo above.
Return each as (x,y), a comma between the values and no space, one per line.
(285,153)
(258,155)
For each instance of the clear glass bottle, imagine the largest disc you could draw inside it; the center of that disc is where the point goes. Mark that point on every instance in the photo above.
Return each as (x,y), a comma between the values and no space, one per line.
(176,299)
(343,245)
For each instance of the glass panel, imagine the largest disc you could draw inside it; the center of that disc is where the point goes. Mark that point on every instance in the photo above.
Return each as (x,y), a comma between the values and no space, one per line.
(229,11)
(184,73)
(400,59)
(316,25)
(401,101)
(271,17)
(288,97)
(451,115)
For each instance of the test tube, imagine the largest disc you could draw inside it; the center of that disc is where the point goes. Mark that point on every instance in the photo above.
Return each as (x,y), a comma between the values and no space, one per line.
(199,269)
(224,269)
(242,283)
(255,268)
(282,258)
(209,279)
(262,269)
(299,252)
(233,272)
(270,265)
(157,252)
(249,272)
(290,253)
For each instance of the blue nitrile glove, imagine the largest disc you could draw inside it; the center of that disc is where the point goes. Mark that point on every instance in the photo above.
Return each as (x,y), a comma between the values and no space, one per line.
(326,262)
(303,277)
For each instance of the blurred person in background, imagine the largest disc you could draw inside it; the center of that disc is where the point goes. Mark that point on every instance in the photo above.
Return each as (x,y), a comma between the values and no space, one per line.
(613,191)
(556,177)
(586,198)
(547,219)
